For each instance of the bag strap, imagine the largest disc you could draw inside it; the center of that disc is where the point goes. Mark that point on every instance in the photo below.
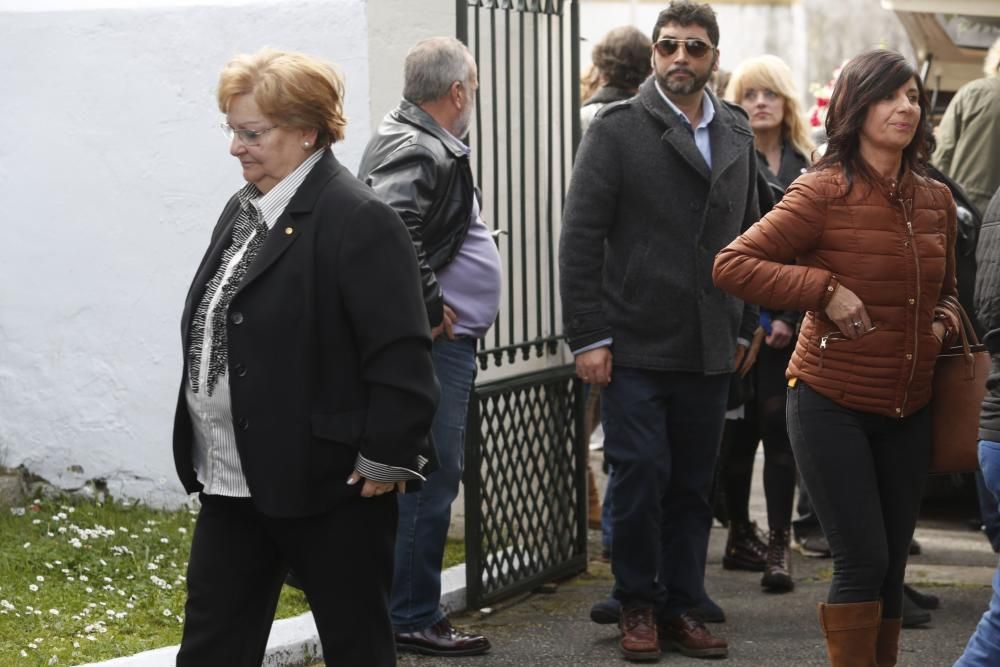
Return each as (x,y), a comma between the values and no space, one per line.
(966,333)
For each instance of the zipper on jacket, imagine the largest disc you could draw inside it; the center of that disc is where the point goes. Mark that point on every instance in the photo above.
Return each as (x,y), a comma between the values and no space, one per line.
(906,205)
(835,336)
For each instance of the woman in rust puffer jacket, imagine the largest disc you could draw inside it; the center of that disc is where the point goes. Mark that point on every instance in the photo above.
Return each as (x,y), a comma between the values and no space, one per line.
(865,245)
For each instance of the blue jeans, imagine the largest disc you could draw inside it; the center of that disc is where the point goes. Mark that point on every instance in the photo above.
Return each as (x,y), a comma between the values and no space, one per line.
(983,649)
(661,437)
(424,516)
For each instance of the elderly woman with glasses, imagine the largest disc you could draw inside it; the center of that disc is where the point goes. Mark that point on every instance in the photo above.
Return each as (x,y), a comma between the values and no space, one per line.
(307,392)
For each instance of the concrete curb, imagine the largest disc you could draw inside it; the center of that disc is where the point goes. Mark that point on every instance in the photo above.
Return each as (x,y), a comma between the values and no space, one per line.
(294,641)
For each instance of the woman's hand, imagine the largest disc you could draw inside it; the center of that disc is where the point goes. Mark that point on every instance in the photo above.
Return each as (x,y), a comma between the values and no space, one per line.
(746,357)
(940,330)
(780,336)
(373,488)
(848,313)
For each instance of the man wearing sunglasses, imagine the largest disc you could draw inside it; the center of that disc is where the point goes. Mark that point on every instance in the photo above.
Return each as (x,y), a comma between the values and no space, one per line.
(661,183)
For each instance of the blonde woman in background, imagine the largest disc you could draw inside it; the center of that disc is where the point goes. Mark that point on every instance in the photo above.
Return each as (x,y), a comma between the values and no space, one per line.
(763,87)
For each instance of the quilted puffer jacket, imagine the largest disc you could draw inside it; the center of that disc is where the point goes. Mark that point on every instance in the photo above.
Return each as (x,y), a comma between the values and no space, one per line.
(892,244)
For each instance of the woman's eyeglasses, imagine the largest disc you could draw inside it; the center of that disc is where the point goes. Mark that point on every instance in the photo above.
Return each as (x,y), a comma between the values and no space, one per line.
(694,47)
(247,137)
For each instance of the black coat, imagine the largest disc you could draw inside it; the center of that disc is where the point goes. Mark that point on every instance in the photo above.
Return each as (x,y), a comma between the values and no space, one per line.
(329,348)
(644,219)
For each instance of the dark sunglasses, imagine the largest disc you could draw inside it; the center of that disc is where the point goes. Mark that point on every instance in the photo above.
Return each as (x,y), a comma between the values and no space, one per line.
(694,47)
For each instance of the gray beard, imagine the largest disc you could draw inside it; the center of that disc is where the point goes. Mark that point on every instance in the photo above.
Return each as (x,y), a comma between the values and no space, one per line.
(464,123)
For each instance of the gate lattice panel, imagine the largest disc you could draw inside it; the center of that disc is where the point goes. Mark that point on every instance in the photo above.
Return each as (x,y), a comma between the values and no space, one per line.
(522,472)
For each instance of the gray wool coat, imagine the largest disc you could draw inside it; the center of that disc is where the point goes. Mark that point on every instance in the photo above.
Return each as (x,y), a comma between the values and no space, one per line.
(644,219)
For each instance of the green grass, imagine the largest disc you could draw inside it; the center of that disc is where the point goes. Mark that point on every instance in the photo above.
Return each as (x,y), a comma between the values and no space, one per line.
(82,582)
(454,553)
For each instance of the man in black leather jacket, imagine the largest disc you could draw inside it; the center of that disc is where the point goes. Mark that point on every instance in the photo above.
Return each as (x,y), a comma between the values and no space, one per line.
(422,170)
(418,164)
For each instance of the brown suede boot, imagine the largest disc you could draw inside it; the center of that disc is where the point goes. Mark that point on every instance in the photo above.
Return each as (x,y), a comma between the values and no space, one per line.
(593,502)
(887,645)
(851,631)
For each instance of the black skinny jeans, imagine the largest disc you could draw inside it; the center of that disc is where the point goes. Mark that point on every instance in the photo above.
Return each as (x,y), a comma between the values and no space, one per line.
(865,476)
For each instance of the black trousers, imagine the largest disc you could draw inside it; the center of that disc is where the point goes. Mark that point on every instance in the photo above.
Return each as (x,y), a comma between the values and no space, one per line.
(764,420)
(865,476)
(239,559)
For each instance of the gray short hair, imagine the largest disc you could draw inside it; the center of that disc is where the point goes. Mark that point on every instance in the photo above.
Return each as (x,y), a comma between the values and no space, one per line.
(432,65)
(991,65)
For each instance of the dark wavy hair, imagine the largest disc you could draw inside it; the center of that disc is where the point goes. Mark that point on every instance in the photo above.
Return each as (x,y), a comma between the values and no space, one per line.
(622,57)
(863,81)
(685,13)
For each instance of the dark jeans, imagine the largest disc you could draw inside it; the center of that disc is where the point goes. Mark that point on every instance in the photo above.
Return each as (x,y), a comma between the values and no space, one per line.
(865,475)
(661,438)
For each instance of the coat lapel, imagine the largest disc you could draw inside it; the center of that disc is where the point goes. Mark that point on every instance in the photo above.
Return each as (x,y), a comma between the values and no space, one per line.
(294,220)
(730,139)
(677,134)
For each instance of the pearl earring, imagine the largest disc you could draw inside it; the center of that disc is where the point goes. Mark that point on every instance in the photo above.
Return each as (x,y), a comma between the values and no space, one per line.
(306,144)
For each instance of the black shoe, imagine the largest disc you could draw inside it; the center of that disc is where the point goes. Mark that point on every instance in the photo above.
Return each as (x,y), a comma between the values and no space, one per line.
(914,616)
(442,639)
(606,612)
(707,611)
(922,600)
(915,548)
(744,548)
(778,572)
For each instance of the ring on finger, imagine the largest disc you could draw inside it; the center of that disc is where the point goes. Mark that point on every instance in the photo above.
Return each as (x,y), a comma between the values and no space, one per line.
(857,325)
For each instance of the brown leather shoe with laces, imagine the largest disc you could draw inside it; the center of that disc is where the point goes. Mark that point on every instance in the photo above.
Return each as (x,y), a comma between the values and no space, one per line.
(690,637)
(442,639)
(639,636)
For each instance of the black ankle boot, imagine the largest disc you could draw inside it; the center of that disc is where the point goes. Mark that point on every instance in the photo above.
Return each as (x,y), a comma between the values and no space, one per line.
(778,569)
(744,549)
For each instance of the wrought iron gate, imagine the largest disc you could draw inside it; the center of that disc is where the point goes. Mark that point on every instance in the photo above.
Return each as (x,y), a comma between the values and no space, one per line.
(525,484)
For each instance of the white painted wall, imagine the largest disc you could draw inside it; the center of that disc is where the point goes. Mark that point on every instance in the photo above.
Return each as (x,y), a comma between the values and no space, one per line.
(112,174)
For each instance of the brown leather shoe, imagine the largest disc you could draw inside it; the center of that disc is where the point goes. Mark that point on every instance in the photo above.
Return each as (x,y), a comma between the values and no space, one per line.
(690,637)
(441,639)
(639,637)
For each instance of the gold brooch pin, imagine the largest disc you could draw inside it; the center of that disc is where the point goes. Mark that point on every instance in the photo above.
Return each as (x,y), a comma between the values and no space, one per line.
(288,231)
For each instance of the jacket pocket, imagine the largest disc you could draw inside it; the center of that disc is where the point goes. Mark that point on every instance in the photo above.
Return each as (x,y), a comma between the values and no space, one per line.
(345,427)
(633,271)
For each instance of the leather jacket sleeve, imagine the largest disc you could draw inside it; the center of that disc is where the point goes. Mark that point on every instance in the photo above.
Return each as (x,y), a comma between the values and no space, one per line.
(757,266)
(407,181)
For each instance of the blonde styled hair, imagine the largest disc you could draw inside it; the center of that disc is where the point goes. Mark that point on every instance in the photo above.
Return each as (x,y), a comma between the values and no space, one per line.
(771,72)
(292,89)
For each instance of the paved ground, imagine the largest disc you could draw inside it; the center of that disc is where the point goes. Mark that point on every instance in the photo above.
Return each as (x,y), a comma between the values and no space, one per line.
(764,630)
